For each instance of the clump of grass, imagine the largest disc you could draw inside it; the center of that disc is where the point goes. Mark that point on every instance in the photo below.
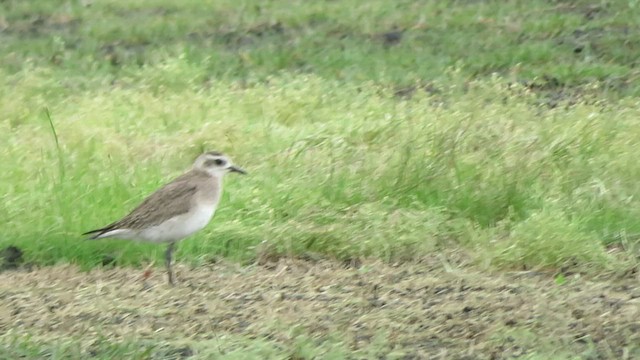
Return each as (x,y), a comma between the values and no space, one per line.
(548,239)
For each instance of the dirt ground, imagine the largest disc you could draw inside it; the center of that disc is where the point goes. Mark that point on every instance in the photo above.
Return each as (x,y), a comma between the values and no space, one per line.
(414,311)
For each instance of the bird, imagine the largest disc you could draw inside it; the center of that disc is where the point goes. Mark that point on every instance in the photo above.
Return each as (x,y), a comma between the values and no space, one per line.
(177,210)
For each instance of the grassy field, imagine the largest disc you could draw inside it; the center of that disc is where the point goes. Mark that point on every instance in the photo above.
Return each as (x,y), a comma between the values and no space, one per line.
(505,132)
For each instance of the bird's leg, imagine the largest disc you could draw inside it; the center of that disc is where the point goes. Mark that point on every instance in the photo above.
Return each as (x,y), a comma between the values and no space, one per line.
(168,257)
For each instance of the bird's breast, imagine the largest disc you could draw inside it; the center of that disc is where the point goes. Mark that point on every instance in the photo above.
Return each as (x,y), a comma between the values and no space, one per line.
(201,216)
(209,193)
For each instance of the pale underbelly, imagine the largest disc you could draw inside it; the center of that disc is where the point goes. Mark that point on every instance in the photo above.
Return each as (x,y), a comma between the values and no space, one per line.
(179,227)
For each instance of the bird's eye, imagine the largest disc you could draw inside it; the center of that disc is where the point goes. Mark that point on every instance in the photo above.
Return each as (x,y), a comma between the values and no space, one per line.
(219,162)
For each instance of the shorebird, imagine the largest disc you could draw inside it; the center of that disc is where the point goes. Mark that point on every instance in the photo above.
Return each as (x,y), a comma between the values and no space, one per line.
(176,210)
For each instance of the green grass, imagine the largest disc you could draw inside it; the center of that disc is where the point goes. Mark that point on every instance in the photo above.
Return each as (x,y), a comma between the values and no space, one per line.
(228,347)
(523,151)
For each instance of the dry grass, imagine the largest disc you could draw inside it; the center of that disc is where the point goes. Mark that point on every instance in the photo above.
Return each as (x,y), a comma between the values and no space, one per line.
(304,309)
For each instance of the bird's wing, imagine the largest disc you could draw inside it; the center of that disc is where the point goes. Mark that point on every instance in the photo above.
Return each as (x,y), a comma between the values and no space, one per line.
(173,199)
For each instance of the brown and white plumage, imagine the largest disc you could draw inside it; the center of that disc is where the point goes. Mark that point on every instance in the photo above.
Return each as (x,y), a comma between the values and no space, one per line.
(176,210)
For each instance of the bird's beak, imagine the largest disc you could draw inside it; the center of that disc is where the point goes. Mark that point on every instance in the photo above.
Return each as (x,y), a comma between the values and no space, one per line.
(237,169)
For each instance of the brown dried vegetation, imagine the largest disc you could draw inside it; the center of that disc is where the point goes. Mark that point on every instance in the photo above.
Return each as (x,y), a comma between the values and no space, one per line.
(413,310)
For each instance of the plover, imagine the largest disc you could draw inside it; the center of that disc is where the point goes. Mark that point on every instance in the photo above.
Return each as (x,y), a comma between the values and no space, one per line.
(176,210)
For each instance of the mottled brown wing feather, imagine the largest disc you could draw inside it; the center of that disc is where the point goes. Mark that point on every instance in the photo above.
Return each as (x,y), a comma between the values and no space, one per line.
(171,200)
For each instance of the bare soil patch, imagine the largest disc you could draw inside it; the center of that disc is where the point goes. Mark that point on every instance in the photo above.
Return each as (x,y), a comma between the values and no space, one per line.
(412,310)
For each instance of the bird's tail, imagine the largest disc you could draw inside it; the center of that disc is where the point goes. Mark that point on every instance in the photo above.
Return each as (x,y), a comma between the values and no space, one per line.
(97,233)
